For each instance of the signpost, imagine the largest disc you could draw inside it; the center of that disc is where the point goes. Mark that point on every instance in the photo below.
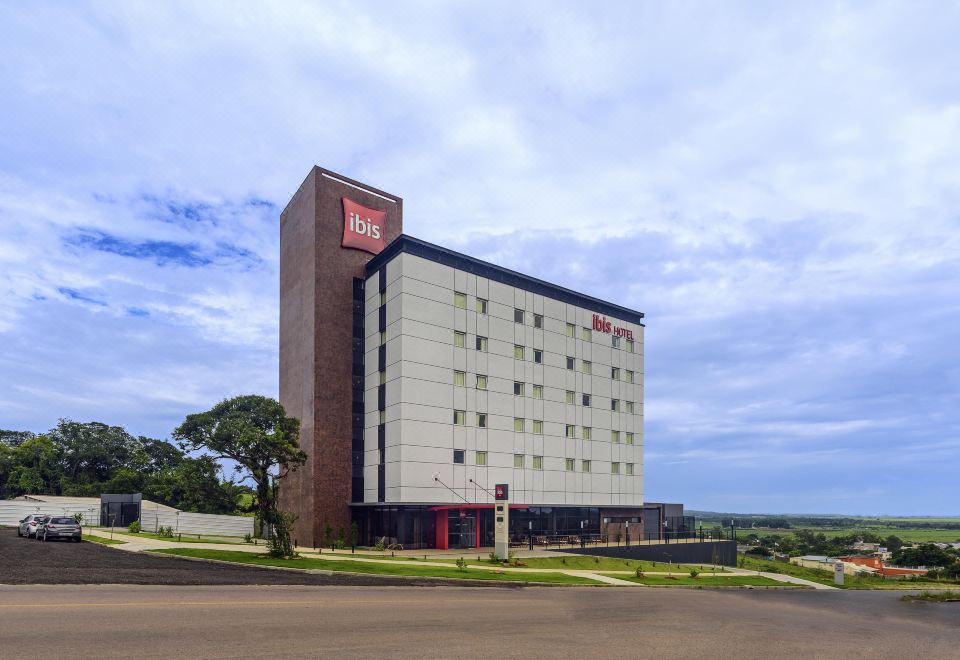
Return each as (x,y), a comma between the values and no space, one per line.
(501,522)
(838,573)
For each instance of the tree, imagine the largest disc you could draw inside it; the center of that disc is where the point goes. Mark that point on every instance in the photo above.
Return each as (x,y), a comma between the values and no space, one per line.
(893,543)
(255,433)
(924,555)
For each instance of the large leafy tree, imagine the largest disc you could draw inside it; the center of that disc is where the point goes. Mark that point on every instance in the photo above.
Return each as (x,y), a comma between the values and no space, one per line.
(254,433)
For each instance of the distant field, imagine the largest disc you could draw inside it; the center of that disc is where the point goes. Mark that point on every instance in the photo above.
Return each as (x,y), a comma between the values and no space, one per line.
(913,535)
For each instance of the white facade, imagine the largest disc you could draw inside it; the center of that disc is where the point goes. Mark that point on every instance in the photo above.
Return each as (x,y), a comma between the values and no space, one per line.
(422,317)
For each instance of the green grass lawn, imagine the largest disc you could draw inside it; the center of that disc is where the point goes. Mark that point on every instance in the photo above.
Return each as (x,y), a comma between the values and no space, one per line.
(182,539)
(572,562)
(934,596)
(706,581)
(826,577)
(385,568)
(102,540)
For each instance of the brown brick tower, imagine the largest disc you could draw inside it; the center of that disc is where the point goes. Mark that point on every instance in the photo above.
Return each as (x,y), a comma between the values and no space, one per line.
(317,290)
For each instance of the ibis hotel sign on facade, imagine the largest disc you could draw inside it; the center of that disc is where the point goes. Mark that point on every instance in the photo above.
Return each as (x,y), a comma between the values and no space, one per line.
(363,228)
(601,324)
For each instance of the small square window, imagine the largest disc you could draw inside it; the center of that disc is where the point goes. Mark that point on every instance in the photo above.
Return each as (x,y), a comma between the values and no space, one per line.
(538,391)
(481,458)
(481,306)
(629,437)
(383,298)
(571,431)
(571,330)
(587,432)
(518,316)
(458,455)
(383,337)
(616,341)
(629,376)
(538,462)
(518,424)
(538,426)
(482,344)
(629,467)
(459,300)
(459,417)
(570,396)
(585,334)
(459,339)
(586,400)
(615,373)
(383,417)
(517,388)
(584,466)
(615,437)
(587,367)
(630,406)
(615,405)
(518,352)
(614,468)
(481,382)
(459,378)
(538,320)
(518,460)
(629,346)
(383,377)
(568,464)
(482,420)
(538,356)
(569,363)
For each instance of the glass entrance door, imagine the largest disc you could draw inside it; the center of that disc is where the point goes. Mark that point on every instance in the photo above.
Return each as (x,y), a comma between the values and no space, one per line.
(462,529)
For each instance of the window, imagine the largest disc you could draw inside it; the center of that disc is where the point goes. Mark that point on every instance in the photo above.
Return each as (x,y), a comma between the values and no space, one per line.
(587,367)
(538,426)
(587,432)
(569,363)
(482,420)
(459,378)
(459,300)
(538,391)
(570,396)
(517,352)
(538,462)
(383,337)
(615,405)
(517,388)
(517,315)
(585,334)
(518,424)
(615,437)
(629,467)
(482,344)
(518,460)
(458,455)
(629,346)
(614,468)
(584,466)
(481,305)
(459,339)
(383,377)
(538,320)
(383,417)
(629,437)
(459,417)
(629,376)
(586,400)
(629,406)
(481,458)
(615,373)
(538,356)
(616,341)
(571,330)
(481,382)
(568,464)
(571,431)
(383,298)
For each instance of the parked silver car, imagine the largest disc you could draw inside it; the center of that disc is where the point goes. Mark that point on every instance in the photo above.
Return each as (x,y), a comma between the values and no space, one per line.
(53,529)
(28,526)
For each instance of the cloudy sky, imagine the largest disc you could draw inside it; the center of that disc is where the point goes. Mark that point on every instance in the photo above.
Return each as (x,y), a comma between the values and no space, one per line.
(777,186)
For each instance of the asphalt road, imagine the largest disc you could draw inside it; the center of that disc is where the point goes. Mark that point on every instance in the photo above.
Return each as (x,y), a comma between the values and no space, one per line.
(455,622)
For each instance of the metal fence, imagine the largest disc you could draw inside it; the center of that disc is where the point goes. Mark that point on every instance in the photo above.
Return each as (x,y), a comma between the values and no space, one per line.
(13,511)
(195,524)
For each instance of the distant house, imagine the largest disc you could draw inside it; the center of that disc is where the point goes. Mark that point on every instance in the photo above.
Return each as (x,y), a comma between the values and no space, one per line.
(877,566)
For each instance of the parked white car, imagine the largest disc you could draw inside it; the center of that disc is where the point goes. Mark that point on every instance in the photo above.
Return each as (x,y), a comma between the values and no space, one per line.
(28,526)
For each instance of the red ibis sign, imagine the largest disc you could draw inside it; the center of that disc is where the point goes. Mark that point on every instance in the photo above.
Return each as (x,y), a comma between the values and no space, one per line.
(601,324)
(363,228)
(501,492)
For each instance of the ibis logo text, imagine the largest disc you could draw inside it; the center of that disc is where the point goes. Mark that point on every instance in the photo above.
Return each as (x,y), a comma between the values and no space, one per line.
(363,228)
(601,324)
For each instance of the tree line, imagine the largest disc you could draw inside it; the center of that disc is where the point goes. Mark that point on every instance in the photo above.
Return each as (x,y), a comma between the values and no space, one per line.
(86,459)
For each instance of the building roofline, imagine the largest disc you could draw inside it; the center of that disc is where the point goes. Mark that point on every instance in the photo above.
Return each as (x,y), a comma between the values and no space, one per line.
(447,257)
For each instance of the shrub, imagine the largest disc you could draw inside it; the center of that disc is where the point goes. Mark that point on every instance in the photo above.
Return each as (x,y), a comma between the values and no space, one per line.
(134,527)
(694,572)
(639,572)
(279,546)
(248,538)
(462,564)
(494,558)
(78,517)
(381,544)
